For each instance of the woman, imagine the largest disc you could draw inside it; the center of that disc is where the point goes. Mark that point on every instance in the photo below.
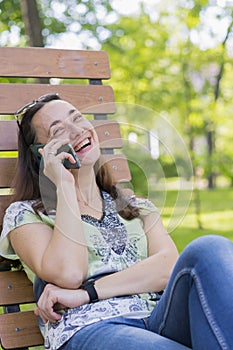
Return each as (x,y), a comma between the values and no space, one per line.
(105,270)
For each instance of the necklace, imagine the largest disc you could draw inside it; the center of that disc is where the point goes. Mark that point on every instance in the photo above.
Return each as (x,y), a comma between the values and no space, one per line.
(90,210)
(94,207)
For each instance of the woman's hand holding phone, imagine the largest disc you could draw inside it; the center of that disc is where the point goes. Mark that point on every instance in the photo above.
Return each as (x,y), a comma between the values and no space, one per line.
(55,152)
(66,162)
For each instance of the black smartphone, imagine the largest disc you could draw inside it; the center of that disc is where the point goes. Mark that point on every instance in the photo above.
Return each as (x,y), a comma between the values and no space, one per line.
(65,148)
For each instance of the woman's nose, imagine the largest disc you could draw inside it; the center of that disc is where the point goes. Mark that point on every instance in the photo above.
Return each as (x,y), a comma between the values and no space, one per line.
(75,131)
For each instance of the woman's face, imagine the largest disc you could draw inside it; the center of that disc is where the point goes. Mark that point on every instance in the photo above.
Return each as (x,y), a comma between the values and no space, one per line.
(59,120)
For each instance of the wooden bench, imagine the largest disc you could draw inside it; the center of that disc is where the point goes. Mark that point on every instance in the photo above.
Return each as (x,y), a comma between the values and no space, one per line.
(19,328)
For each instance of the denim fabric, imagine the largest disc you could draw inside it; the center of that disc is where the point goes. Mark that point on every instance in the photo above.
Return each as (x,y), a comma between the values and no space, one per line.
(118,334)
(195,310)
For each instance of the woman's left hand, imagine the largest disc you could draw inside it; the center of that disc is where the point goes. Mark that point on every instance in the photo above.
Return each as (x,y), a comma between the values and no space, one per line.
(55,298)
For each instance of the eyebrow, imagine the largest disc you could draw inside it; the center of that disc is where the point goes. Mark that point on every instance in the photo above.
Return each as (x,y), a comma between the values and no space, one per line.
(52,124)
(55,122)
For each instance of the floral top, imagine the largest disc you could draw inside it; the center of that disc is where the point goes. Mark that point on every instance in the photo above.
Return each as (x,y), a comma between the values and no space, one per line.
(113,245)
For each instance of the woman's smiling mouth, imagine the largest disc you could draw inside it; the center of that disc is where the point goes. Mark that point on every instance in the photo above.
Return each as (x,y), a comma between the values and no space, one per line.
(83,144)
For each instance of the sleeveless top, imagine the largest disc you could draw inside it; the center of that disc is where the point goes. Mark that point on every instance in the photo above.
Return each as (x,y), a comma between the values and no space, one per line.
(113,245)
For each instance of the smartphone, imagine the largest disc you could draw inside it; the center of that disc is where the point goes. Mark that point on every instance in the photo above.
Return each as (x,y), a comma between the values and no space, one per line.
(65,148)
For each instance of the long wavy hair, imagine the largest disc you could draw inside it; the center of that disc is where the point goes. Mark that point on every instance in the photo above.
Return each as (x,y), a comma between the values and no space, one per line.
(29,182)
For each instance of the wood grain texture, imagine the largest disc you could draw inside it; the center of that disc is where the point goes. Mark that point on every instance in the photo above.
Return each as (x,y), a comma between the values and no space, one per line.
(15,288)
(4,201)
(88,99)
(49,63)
(19,329)
(7,171)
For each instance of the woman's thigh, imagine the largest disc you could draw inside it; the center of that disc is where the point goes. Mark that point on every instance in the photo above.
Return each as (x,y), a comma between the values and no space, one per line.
(117,334)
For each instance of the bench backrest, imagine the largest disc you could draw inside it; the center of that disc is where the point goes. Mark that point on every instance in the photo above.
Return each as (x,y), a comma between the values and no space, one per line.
(94,99)
(41,69)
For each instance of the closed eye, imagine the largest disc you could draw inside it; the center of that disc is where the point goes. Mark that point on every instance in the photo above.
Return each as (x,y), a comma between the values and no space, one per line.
(57,130)
(77,117)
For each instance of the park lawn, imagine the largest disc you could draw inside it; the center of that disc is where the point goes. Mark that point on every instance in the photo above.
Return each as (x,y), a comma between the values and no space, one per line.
(216,217)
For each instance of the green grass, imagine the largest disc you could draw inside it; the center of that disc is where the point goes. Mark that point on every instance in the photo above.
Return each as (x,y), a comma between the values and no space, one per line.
(216,216)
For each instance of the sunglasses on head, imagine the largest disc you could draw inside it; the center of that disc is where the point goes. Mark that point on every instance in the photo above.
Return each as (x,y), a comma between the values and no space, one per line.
(19,114)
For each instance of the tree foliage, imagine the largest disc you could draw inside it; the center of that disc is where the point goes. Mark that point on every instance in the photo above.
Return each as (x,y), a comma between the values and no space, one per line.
(174,59)
(177,65)
(58,18)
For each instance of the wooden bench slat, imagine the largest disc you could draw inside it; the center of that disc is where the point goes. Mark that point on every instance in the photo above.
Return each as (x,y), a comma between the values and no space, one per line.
(8,135)
(108,133)
(7,171)
(20,330)
(88,99)
(4,200)
(45,62)
(8,166)
(15,288)
(118,167)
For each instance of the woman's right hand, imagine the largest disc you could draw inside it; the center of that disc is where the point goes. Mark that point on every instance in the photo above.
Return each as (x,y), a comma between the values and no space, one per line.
(55,298)
(53,166)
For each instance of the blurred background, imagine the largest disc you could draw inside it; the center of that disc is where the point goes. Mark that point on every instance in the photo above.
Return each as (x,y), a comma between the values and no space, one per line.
(172,75)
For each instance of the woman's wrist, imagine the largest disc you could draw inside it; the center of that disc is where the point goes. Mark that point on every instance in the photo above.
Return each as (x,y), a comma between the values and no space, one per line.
(86,299)
(103,290)
(89,287)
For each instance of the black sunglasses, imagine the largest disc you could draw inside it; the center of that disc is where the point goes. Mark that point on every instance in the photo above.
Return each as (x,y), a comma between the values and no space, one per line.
(19,114)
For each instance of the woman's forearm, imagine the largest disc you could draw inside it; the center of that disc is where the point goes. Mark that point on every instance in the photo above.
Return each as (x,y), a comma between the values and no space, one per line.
(67,251)
(149,275)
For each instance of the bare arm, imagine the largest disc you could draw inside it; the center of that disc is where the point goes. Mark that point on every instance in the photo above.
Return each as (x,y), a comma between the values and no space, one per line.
(52,253)
(58,255)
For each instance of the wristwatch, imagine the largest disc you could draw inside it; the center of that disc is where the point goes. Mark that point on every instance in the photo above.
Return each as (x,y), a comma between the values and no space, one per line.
(89,286)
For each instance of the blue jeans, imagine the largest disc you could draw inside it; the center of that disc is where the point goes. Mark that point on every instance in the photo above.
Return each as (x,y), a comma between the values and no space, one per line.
(194,312)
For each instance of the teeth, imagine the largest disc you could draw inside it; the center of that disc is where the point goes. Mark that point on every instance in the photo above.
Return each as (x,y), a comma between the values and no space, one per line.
(82,144)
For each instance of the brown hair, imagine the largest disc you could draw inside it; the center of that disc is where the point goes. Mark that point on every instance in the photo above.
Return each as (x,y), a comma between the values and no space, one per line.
(28,179)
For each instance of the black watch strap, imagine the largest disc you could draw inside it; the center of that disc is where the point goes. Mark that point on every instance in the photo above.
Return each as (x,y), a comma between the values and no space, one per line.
(89,286)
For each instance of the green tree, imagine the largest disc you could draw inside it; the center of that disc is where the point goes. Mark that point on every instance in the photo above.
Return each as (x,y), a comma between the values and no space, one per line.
(166,66)
(52,18)
(170,59)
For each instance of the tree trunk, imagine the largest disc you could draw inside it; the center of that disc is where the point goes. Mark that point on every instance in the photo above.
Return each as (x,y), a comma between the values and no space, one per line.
(189,132)
(33,27)
(210,146)
(32,22)
(210,133)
